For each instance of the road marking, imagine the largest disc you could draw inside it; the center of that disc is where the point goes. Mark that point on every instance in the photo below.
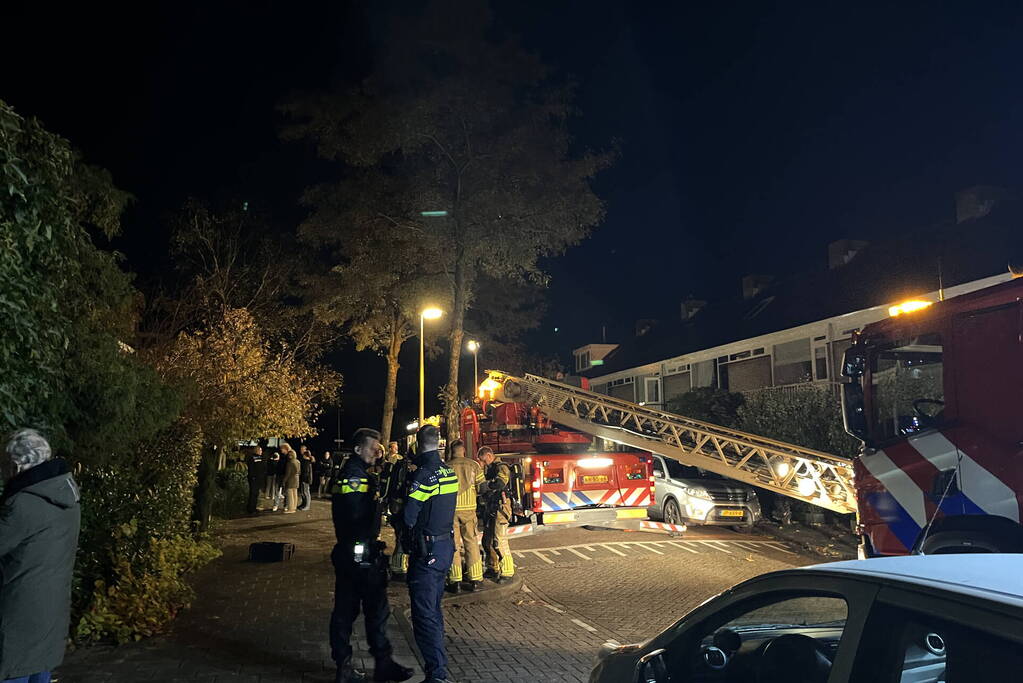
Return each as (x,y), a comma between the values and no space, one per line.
(525,589)
(585,557)
(553,608)
(553,551)
(653,550)
(614,550)
(748,545)
(584,625)
(590,548)
(685,546)
(542,556)
(716,547)
(778,546)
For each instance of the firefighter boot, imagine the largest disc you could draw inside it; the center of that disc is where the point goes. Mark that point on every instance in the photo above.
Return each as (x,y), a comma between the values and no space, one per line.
(453,588)
(347,673)
(390,670)
(472,586)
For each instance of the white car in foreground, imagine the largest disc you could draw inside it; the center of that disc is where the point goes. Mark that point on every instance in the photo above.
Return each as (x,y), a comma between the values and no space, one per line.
(917,619)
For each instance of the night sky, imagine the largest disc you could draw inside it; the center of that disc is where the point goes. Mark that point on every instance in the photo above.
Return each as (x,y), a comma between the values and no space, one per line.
(752,134)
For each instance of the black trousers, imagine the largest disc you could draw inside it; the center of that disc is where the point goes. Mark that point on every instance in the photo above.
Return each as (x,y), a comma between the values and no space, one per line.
(358,589)
(255,486)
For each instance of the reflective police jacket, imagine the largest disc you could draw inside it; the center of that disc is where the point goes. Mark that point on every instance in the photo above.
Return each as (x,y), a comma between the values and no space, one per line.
(430,506)
(354,504)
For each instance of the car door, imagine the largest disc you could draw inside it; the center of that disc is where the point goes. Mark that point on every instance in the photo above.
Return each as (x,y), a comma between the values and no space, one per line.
(918,635)
(656,508)
(791,604)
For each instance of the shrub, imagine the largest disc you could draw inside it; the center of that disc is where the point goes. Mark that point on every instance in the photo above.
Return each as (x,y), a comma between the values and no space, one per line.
(147,587)
(230,494)
(137,544)
(708,404)
(809,416)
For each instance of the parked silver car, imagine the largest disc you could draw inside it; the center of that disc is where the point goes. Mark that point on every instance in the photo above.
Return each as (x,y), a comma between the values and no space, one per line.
(915,619)
(689,495)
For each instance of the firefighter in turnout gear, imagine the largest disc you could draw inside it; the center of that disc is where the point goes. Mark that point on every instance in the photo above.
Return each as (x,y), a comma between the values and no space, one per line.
(470,476)
(497,514)
(429,518)
(360,566)
(395,481)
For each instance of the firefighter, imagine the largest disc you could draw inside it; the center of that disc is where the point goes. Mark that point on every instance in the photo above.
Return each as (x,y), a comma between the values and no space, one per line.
(497,513)
(360,566)
(428,535)
(397,481)
(470,476)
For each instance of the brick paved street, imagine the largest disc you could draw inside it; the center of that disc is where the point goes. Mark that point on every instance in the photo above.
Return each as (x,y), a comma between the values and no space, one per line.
(267,623)
(251,623)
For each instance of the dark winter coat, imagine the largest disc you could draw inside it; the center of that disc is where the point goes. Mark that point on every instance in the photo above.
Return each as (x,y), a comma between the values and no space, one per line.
(291,470)
(39,523)
(306,475)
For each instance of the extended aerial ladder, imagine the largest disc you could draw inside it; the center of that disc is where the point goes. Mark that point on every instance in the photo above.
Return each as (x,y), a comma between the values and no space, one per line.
(811,476)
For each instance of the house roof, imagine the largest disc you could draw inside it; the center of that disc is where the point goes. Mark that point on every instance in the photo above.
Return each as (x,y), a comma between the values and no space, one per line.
(892,270)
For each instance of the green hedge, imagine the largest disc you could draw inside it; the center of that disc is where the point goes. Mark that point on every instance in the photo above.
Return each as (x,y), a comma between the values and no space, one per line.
(137,545)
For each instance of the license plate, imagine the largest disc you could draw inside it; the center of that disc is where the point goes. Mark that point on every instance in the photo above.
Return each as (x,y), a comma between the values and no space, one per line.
(594,478)
(733,513)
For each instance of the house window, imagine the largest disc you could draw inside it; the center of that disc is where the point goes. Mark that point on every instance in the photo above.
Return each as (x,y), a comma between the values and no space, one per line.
(582,361)
(653,390)
(820,362)
(792,362)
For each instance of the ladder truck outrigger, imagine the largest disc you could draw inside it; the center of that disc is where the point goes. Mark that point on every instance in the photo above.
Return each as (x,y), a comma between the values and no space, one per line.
(932,394)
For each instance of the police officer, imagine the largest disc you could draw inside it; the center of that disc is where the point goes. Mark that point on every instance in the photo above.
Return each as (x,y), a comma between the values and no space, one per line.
(497,515)
(429,518)
(255,464)
(360,566)
(470,476)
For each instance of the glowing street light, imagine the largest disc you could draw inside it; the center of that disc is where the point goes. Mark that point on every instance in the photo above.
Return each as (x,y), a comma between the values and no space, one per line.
(474,346)
(429,313)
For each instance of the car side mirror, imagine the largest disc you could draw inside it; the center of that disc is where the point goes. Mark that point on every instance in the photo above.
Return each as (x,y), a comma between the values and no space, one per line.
(659,474)
(652,668)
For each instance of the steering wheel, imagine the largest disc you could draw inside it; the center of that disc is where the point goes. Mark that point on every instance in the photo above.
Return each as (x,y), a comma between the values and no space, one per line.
(930,419)
(793,658)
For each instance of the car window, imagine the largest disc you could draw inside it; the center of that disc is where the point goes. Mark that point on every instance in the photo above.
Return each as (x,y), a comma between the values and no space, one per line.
(761,642)
(802,611)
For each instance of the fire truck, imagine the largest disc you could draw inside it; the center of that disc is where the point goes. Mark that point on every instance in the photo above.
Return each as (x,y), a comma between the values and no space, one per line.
(932,395)
(557,481)
(930,392)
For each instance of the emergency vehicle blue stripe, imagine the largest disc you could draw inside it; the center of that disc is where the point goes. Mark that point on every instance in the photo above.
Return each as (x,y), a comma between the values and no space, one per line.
(895,516)
(583,497)
(554,501)
(959,504)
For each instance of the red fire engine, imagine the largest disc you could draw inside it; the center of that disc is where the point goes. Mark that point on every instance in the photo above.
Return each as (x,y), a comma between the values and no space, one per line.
(933,397)
(556,480)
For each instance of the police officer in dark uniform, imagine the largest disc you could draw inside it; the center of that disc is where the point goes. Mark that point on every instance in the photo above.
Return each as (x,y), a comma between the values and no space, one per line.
(429,538)
(360,567)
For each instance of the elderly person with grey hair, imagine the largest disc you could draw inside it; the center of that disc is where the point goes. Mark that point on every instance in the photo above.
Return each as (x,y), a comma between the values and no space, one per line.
(39,522)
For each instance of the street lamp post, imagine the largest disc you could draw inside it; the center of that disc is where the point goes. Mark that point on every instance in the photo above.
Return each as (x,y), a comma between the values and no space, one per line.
(431,313)
(474,346)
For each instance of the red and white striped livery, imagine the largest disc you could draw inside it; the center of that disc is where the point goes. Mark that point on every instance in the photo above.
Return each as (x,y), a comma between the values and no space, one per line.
(935,398)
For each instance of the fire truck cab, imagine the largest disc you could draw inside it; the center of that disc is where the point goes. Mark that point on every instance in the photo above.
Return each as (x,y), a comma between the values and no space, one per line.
(933,395)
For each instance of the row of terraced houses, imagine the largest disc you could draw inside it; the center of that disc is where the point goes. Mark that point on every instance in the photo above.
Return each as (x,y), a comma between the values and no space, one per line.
(783,333)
